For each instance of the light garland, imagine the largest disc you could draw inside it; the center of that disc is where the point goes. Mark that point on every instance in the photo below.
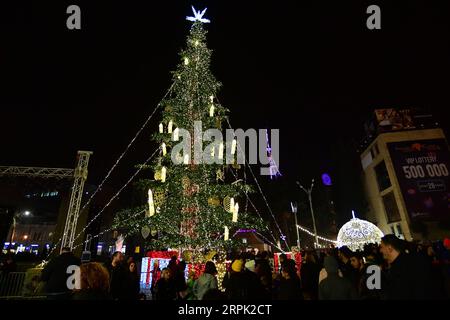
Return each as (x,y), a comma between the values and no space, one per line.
(115,195)
(99,187)
(313,235)
(260,190)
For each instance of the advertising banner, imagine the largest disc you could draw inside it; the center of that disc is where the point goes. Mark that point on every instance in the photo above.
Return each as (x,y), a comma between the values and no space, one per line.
(422,169)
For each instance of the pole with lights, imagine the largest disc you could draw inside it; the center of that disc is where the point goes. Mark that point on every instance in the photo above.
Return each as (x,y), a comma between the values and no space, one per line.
(294,211)
(309,192)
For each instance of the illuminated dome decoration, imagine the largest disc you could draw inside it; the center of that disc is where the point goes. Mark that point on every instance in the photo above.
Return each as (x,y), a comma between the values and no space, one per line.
(356,233)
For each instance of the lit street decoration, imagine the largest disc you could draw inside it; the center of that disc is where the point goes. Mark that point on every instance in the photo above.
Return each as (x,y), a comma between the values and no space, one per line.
(356,233)
(326,179)
(198,16)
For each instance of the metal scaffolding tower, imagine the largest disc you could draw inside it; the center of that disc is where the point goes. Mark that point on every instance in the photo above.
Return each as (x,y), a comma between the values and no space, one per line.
(80,175)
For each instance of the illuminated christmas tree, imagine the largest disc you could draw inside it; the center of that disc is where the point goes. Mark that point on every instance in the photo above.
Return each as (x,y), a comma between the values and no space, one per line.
(191,206)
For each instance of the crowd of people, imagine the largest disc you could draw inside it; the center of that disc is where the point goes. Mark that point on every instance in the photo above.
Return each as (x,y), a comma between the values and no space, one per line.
(394,269)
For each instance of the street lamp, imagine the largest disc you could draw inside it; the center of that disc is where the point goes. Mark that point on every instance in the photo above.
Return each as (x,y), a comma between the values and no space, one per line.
(308,192)
(13,231)
(294,211)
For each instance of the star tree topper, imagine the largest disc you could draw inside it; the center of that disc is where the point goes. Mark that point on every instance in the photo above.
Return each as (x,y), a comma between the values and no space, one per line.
(198,16)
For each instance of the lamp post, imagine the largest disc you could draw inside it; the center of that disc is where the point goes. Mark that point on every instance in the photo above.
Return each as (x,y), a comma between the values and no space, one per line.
(294,211)
(308,192)
(13,231)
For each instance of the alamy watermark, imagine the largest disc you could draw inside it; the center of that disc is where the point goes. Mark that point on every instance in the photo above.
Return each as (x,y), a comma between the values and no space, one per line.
(233,149)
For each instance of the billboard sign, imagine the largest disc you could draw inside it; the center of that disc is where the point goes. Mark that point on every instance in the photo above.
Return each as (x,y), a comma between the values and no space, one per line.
(422,168)
(393,119)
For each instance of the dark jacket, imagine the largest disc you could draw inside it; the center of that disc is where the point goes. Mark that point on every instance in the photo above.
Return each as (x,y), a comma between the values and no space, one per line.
(290,289)
(55,273)
(407,278)
(132,286)
(310,278)
(165,290)
(243,286)
(118,282)
(334,287)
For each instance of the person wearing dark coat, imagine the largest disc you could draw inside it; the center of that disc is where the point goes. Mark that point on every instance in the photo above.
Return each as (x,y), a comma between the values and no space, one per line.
(165,288)
(335,287)
(132,283)
(242,284)
(407,276)
(55,275)
(310,276)
(118,277)
(290,286)
(180,280)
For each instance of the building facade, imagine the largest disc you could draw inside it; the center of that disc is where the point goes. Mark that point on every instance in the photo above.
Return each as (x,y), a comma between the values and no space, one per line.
(406,179)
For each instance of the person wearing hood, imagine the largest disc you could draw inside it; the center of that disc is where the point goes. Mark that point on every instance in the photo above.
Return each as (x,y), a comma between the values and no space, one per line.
(335,287)
(206,281)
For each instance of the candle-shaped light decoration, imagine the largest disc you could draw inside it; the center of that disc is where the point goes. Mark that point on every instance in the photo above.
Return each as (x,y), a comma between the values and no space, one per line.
(211,111)
(169,127)
(176,135)
(186,159)
(213,150)
(151,205)
(231,205)
(163,174)
(164,149)
(161,128)
(226,234)
(211,97)
(186,61)
(235,212)
(233,146)
(221,151)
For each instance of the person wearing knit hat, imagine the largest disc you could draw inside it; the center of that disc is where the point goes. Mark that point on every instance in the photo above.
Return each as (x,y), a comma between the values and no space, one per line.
(237,265)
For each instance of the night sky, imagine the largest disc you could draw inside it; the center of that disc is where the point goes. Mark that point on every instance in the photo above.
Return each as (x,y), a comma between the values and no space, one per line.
(311,69)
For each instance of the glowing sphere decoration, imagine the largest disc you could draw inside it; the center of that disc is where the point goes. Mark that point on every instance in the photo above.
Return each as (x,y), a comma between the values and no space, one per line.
(326,179)
(356,233)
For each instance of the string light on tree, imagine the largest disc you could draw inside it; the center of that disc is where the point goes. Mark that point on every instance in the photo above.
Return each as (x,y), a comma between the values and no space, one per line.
(161,128)
(164,149)
(211,111)
(169,127)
